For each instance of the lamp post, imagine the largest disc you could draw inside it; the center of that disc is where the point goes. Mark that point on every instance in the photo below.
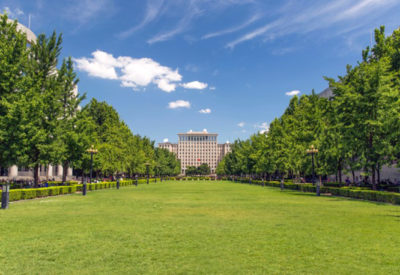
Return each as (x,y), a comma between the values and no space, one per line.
(312,151)
(156,173)
(84,187)
(92,151)
(5,195)
(147,171)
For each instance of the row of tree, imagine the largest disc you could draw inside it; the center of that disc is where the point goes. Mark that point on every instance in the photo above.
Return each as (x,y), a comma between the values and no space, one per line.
(358,128)
(42,123)
(202,169)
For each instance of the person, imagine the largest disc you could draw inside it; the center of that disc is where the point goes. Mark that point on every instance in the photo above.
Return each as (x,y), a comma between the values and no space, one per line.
(348,181)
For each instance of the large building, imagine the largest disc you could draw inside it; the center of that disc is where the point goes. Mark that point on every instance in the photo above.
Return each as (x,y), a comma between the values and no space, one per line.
(195,148)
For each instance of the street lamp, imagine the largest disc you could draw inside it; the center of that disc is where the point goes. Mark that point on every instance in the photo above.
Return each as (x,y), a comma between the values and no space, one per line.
(312,151)
(147,171)
(5,195)
(92,151)
(157,172)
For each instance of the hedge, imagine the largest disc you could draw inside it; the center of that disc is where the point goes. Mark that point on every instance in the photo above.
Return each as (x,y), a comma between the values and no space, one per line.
(351,192)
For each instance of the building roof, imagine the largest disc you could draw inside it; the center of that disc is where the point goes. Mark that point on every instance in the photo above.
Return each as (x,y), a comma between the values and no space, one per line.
(30,36)
(327,93)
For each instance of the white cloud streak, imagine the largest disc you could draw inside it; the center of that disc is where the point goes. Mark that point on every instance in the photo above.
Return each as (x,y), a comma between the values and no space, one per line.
(153,10)
(250,21)
(84,11)
(338,13)
(241,124)
(292,93)
(197,85)
(12,13)
(179,104)
(205,111)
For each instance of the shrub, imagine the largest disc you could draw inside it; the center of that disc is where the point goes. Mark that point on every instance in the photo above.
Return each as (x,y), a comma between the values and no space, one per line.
(72,189)
(15,194)
(64,189)
(54,191)
(42,192)
(28,194)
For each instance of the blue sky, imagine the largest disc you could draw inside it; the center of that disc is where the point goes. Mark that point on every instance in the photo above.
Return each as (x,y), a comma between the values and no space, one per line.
(229,66)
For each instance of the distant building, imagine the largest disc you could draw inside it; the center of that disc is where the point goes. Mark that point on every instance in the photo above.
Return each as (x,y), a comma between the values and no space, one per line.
(327,93)
(195,148)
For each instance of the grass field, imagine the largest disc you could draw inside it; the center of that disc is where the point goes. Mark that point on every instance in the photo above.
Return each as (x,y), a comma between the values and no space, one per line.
(199,228)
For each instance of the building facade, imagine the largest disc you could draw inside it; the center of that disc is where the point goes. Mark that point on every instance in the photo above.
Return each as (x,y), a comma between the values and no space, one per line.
(196,148)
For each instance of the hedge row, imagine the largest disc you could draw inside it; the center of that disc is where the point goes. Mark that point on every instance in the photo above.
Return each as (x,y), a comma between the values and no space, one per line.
(31,193)
(351,192)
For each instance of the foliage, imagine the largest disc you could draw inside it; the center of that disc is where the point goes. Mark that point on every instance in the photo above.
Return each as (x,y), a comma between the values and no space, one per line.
(356,129)
(202,169)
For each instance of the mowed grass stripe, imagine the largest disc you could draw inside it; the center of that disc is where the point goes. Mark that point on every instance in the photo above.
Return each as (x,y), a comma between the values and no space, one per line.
(199,228)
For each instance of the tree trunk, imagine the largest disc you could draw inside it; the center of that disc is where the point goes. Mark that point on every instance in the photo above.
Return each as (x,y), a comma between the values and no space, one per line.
(340,173)
(36,175)
(354,176)
(373,178)
(65,171)
(378,172)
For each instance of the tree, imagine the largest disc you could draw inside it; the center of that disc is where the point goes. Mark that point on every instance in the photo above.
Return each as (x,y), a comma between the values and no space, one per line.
(203,169)
(191,171)
(13,63)
(31,119)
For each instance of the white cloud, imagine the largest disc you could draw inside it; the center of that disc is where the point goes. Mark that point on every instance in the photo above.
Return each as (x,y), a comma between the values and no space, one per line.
(319,16)
(186,12)
(292,93)
(212,88)
(205,111)
(12,13)
(191,68)
(102,65)
(84,11)
(241,124)
(233,29)
(152,11)
(134,72)
(165,140)
(19,11)
(195,85)
(263,127)
(179,104)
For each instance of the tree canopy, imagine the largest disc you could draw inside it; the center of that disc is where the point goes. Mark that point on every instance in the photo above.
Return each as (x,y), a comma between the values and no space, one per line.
(358,128)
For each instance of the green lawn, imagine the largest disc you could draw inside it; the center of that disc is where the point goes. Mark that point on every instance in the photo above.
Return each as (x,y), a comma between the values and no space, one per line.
(199,228)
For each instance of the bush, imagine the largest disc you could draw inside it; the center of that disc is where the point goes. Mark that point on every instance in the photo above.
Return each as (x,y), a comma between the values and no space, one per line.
(15,195)
(53,191)
(72,189)
(27,194)
(42,192)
